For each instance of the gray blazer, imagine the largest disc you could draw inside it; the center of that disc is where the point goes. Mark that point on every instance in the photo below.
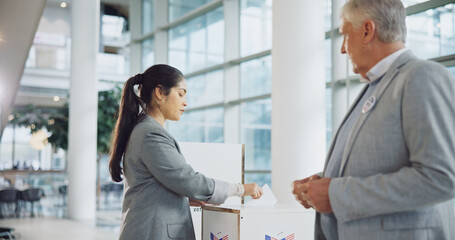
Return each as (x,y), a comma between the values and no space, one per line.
(157,185)
(398,168)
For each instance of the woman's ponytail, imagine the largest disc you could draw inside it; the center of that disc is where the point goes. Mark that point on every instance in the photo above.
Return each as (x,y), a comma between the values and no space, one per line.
(130,113)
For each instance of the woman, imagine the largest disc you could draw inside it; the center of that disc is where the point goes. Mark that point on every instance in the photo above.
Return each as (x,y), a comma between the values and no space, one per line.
(158,181)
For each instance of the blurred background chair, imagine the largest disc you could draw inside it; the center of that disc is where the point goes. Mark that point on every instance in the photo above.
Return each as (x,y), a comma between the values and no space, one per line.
(6,233)
(115,188)
(9,202)
(32,196)
(63,190)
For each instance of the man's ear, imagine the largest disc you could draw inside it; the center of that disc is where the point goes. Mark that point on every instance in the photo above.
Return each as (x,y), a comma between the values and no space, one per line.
(369,31)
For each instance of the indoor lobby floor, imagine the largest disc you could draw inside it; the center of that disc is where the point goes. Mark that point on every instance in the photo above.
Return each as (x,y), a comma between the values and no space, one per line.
(41,228)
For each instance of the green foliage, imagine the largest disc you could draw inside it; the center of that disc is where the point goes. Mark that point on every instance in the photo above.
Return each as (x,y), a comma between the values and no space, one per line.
(108,105)
(59,128)
(31,117)
(56,120)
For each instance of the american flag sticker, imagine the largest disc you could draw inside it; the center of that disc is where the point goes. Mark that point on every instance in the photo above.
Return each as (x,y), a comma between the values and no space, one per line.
(218,236)
(277,237)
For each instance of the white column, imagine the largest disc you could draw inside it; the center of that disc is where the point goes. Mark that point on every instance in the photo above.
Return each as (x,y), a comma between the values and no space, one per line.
(136,32)
(298,94)
(83,110)
(232,73)
(161,35)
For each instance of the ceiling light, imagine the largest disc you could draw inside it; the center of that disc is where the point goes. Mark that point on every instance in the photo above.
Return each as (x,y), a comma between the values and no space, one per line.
(63,4)
(56,98)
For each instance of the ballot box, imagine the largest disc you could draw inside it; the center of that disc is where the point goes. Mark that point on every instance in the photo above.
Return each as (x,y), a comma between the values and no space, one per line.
(215,160)
(242,222)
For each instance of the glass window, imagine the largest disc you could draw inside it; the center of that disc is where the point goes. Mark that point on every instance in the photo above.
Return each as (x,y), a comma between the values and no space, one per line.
(20,141)
(256,135)
(259,178)
(328,114)
(328,15)
(328,59)
(205,89)
(178,8)
(148,25)
(198,43)
(199,126)
(148,53)
(256,77)
(452,70)
(255,26)
(408,3)
(6,148)
(432,33)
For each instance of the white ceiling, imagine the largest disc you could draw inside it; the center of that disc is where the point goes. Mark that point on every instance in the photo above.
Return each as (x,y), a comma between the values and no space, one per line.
(19,20)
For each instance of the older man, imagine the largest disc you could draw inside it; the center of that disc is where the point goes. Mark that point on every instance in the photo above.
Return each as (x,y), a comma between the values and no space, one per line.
(390,172)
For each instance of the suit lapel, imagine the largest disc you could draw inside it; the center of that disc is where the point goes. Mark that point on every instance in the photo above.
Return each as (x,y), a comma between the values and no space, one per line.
(332,145)
(176,145)
(378,92)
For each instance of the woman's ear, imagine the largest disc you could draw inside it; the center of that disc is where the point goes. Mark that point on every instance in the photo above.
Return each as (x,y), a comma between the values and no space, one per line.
(159,93)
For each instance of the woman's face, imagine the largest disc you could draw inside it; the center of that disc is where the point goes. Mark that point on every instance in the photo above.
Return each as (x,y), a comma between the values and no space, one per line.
(174,104)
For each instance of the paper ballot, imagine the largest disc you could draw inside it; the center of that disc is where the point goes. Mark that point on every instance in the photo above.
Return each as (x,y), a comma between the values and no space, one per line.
(267,199)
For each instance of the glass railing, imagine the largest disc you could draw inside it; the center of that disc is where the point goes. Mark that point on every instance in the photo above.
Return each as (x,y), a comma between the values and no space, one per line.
(53,52)
(112,64)
(48,57)
(58,59)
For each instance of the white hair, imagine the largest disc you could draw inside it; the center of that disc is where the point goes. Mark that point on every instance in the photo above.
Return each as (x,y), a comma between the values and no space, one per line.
(388,15)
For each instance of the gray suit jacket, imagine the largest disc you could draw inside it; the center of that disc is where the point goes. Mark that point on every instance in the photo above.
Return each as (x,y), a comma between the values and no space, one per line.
(157,185)
(398,168)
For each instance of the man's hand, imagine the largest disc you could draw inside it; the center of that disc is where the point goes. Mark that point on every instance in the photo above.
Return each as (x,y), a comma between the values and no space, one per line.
(296,189)
(313,192)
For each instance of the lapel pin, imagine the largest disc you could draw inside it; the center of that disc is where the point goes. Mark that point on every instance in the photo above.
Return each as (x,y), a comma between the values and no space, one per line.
(369,104)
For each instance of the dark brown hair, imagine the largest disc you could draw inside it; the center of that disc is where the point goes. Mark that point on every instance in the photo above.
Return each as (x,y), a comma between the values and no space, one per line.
(133,108)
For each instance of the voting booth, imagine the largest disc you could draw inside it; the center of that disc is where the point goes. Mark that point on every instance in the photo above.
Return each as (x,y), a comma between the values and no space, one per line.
(242,222)
(215,160)
(257,219)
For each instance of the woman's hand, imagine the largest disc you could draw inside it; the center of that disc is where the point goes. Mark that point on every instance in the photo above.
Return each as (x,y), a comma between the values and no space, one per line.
(253,190)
